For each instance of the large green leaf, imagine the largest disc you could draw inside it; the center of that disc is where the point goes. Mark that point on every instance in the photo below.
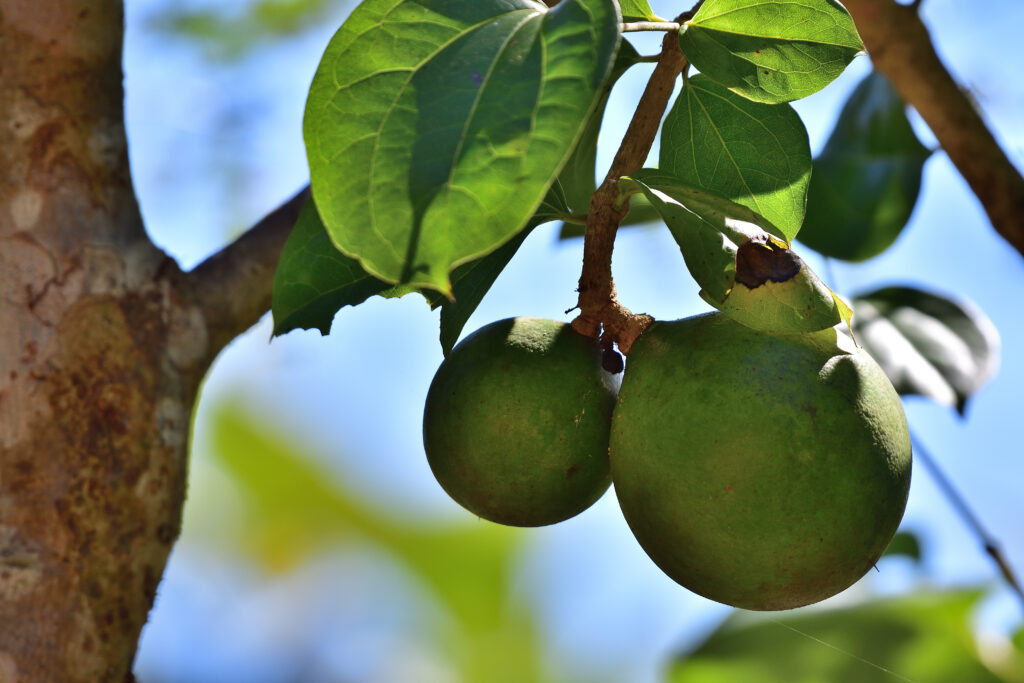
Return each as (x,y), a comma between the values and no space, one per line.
(928,344)
(771,50)
(866,180)
(755,154)
(739,258)
(313,279)
(637,10)
(925,637)
(434,127)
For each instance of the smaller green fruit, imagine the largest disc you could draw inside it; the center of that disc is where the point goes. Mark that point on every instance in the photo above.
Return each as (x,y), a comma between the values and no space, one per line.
(516,422)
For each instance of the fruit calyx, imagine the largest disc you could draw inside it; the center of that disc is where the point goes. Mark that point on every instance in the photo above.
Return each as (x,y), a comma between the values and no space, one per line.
(760,259)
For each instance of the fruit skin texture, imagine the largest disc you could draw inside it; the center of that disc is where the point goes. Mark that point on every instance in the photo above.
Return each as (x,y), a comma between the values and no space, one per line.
(516,422)
(764,472)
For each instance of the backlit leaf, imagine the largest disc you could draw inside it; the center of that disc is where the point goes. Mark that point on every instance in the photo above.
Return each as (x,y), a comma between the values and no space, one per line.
(866,180)
(637,10)
(754,154)
(771,50)
(928,344)
(434,128)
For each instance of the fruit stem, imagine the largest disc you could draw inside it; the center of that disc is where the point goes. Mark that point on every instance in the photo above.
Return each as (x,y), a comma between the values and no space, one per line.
(601,315)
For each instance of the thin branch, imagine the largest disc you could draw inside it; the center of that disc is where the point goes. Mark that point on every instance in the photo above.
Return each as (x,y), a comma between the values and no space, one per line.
(233,287)
(599,307)
(959,504)
(635,26)
(901,48)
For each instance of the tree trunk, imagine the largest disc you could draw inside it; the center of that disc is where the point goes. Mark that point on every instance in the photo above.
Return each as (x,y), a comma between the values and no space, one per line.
(100,359)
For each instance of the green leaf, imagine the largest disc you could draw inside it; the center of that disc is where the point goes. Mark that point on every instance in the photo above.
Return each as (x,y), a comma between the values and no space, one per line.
(925,637)
(928,344)
(744,267)
(755,154)
(771,50)
(906,544)
(471,281)
(313,279)
(866,180)
(578,177)
(637,10)
(434,128)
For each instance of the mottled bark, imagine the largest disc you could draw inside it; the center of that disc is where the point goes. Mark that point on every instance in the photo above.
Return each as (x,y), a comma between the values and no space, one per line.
(100,359)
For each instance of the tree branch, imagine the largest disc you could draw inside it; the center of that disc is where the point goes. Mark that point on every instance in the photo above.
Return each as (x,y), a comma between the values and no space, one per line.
(599,307)
(901,48)
(990,545)
(233,287)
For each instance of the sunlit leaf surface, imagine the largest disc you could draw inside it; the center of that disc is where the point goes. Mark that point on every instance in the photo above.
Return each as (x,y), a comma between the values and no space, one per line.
(771,50)
(754,154)
(434,129)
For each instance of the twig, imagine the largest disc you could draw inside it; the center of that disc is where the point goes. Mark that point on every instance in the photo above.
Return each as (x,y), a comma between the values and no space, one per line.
(600,312)
(635,26)
(959,504)
(233,287)
(901,48)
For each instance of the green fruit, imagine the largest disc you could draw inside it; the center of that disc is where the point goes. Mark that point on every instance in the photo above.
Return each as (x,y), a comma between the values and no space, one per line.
(516,422)
(765,472)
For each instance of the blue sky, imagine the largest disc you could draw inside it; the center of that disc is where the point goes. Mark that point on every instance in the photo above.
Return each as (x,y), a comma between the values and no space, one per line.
(214,146)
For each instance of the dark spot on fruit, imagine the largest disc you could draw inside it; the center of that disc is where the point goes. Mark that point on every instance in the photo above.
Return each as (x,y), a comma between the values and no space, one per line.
(612,362)
(571,470)
(760,260)
(728,487)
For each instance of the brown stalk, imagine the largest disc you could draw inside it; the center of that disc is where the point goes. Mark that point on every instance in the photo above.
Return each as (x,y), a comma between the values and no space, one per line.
(601,314)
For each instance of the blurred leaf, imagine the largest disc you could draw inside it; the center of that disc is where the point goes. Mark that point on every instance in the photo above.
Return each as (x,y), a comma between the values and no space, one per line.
(866,181)
(904,543)
(637,10)
(771,50)
(924,637)
(231,31)
(578,176)
(313,279)
(295,508)
(928,344)
(433,130)
(754,154)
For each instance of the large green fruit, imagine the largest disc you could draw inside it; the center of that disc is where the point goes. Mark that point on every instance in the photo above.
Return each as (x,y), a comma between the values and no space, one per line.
(516,422)
(765,472)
